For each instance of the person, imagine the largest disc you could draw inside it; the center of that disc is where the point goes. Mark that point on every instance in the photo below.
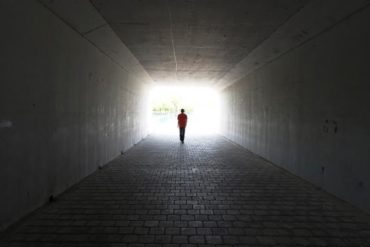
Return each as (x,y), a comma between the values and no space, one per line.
(182,120)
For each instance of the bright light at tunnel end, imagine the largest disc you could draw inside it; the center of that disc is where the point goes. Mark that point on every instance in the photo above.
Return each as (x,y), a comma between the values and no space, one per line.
(201,104)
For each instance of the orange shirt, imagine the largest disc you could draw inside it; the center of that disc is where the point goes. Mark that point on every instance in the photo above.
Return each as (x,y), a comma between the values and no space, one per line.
(182,120)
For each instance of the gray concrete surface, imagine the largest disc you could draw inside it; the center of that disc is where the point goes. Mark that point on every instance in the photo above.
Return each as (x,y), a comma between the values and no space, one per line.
(194,41)
(315,17)
(308,110)
(73,96)
(207,192)
(86,20)
(66,108)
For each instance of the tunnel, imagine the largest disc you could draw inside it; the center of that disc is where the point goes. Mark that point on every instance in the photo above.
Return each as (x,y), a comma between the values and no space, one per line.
(288,166)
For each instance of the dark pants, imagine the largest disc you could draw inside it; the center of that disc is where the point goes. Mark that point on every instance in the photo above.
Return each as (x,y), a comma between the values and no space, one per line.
(182,134)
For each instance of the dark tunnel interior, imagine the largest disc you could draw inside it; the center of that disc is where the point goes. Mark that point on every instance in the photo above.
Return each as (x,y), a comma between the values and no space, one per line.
(292,77)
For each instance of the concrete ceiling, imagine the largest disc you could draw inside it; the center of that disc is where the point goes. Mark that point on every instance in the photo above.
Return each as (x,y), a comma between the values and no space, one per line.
(194,41)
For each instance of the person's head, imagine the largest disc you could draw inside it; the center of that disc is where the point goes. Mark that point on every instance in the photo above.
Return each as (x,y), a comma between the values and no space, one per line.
(182,110)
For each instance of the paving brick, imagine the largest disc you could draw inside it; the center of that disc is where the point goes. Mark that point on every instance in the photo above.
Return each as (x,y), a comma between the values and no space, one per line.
(204,231)
(248,240)
(163,239)
(187,231)
(197,223)
(204,193)
(196,240)
(157,230)
(180,239)
(214,240)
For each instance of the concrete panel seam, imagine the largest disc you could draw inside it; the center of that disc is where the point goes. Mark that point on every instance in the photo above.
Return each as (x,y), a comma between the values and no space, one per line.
(94,29)
(313,37)
(106,21)
(84,37)
(327,29)
(267,38)
(172,39)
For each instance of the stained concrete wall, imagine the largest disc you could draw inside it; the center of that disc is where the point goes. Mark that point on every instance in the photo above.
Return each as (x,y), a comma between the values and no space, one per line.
(308,110)
(65,108)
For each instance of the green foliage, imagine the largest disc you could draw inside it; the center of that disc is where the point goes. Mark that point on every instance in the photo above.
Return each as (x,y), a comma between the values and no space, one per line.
(170,105)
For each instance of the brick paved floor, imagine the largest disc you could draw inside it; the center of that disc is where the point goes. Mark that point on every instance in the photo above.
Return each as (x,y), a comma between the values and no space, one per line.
(206,192)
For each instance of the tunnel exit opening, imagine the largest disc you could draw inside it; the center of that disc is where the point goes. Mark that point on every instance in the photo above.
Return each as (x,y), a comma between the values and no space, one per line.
(201,104)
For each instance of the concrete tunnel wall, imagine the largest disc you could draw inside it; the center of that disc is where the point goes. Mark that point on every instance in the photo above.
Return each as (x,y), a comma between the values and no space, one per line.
(65,108)
(308,110)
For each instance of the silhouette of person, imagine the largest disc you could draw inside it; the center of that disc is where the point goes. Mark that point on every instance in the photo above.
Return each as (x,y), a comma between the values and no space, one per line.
(182,120)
